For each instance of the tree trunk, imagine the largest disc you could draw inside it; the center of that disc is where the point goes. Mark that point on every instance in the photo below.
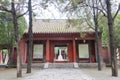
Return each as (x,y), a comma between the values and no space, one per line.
(95,17)
(17,39)
(30,38)
(111,40)
(3,58)
(10,60)
(97,45)
(10,49)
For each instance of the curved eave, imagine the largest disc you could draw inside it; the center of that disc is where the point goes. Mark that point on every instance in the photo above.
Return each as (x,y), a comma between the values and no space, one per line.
(60,32)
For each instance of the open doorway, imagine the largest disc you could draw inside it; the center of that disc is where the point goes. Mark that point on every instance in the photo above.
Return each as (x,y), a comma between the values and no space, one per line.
(61,53)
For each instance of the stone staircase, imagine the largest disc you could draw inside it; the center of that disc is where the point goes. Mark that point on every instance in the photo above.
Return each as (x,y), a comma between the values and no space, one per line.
(61,65)
(64,65)
(91,65)
(3,65)
(34,65)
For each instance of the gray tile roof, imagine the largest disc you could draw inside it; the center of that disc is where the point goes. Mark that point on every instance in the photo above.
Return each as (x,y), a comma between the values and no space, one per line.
(57,26)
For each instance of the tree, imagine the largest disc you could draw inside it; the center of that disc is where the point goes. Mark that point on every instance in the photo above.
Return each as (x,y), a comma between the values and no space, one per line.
(17,39)
(30,38)
(15,17)
(7,39)
(110,20)
(111,39)
(95,17)
(105,33)
(106,11)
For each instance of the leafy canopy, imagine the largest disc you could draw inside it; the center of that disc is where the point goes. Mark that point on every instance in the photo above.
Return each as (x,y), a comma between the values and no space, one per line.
(7,29)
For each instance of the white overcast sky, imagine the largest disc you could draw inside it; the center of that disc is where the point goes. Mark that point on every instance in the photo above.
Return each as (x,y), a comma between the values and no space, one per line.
(52,12)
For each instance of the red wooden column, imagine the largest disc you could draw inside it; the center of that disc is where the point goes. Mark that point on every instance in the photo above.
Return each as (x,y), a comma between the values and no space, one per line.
(74,51)
(0,57)
(47,51)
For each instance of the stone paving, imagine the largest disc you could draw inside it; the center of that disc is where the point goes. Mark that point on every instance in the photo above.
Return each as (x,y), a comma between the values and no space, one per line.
(59,74)
(105,74)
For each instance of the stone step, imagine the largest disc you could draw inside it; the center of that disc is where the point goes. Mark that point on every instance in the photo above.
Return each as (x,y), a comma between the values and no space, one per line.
(64,65)
(90,65)
(34,65)
(3,66)
(60,65)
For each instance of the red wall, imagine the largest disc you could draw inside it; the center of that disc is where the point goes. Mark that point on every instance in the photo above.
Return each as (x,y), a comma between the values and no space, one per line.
(14,55)
(58,39)
(106,55)
(0,57)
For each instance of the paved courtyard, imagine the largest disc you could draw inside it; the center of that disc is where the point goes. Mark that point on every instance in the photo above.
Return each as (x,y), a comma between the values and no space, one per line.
(60,74)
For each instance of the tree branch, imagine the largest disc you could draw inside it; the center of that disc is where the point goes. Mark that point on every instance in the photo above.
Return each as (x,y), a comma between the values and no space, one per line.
(89,24)
(5,9)
(98,9)
(102,6)
(116,12)
(22,14)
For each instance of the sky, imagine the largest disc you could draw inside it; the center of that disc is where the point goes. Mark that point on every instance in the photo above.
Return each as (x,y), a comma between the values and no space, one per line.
(52,12)
(118,1)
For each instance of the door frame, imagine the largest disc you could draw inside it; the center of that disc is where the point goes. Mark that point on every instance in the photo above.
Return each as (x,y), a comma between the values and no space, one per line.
(66,55)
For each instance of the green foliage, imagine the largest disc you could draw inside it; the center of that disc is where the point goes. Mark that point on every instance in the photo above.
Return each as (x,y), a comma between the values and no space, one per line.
(5,51)
(7,28)
(4,2)
(22,25)
(4,28)
(62,1)
(117,31)
(75,3)
(105,32)
(102,20)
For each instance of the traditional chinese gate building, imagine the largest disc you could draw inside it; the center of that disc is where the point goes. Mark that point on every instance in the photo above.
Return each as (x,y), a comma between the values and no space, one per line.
(56,41)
